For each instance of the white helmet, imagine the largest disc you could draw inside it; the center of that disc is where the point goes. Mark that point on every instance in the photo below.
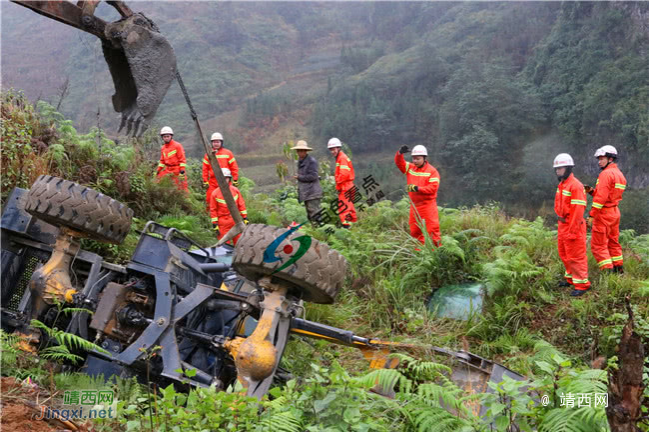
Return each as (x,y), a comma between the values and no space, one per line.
(563,160)
(166,131)
(333,143)
(419,150)
(607,150)
(216,136)
(226,172)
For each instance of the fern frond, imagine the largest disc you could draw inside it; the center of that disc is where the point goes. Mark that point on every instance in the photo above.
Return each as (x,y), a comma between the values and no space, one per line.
(425,371)
(280,402)
(469,233)
(386,380)
(582,419)
(451,247)
(284,421)
(68,339)
(8,342)
(74,341)
(445,396)
(544,351)
(588,381)
(429,419)
(60,353)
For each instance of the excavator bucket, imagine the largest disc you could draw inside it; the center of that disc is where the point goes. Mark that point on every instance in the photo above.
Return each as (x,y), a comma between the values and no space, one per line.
(143,65)
(141,61)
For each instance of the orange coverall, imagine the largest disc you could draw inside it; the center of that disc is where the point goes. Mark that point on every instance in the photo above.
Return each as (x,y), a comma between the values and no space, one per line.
(604,241)
(424,200)
(344,176)
(226,160)
(221,215)
(570,205)
(172,161)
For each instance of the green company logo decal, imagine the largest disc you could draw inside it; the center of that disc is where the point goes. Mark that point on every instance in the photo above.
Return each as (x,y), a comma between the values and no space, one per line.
(269,253)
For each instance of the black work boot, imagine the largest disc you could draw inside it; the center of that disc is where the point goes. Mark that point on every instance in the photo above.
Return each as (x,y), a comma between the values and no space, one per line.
(577,293)
(564,283)
(618,269)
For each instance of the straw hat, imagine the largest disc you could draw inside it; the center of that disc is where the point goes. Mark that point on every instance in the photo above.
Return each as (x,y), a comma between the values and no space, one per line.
(301,145)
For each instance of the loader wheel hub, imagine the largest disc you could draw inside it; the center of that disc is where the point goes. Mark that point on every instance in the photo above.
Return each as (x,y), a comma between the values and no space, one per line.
(257,359)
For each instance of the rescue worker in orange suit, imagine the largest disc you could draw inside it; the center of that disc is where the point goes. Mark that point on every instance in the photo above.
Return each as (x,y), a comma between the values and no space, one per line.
(344,177)
(604,214)
(172,159)
(423,183)
(570,205)
(225,159)
(222,220)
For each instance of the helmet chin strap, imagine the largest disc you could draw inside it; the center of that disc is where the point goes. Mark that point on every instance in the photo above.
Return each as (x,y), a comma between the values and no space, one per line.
(566,174)
(608,162)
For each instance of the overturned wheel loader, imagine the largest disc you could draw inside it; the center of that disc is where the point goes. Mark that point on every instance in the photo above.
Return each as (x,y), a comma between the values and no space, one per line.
(225,313)
(141,61)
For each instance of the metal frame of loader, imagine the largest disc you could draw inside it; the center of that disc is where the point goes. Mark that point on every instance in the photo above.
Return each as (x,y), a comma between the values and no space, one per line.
(198,310)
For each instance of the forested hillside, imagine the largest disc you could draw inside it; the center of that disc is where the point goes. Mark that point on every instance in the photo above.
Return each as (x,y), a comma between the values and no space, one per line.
(495,90)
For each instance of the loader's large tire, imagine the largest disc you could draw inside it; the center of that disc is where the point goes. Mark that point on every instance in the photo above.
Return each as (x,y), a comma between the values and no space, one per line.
(62,202)
(315,277)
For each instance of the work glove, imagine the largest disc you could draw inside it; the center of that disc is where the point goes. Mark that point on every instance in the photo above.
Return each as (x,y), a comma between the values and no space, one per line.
(215,227)
(206,185)
(246,221)
(181,176)
(404,149)
(412,188)
(589,190)
(589,222)
(235,183)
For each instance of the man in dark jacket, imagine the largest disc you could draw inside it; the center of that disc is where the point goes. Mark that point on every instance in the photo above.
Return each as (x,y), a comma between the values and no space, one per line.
(308,181)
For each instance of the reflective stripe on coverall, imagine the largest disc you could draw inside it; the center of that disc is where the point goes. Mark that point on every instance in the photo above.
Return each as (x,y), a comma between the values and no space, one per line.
(226,160)
(344,176)
(570,204)
(221,215)
(604,241)
(172,161)
(424,202)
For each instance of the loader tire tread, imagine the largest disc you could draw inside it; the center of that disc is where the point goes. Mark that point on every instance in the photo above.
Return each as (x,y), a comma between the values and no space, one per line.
(316,277)
(63,202)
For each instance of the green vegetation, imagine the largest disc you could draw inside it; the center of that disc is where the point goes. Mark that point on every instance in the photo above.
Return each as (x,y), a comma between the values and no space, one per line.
(39,141)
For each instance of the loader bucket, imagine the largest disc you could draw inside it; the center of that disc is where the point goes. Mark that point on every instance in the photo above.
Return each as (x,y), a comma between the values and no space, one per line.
(143,65)
(473,374)
(470,372)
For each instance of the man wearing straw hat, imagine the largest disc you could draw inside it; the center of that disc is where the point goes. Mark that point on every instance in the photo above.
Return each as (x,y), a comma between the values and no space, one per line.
(308,181)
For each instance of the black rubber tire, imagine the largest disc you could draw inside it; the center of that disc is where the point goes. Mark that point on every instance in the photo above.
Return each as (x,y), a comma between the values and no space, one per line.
(62,202)
(316,277)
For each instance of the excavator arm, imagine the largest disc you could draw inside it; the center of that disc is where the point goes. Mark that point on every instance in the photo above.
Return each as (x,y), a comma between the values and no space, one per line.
(141,61)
